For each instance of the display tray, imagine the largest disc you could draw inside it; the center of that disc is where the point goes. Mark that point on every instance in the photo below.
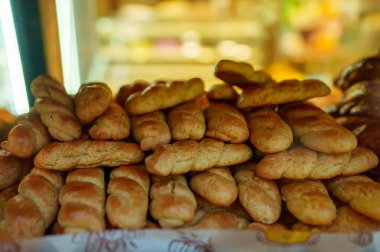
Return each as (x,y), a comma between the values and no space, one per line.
(197,241)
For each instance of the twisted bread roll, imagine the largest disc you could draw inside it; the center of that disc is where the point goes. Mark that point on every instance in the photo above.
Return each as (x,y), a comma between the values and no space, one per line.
(150,130)
(126,90)
(268,132)
(86,153)
(309,201)
(226,123)
(5,195)
(82,201)
(27,137)
(216,185)
(92,100)
(189,155)
(217,220)
(187,121)
(35,207)
(360,192)
(300,163)
(56,109)
(260,197)
(222,92)
(317,130)
(172,202)
(127,202)
(114,124)
(162,96)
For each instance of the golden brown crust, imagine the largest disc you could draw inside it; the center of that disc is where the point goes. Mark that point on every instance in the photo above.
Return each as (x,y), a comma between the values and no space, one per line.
(86,153)
(127,201)
(268,132)
(189,155)
(162,96)
(222,92)
(5,195)
(257,226)
(10,169)
(226,123)
(150,130)
(218,220)
(126,90)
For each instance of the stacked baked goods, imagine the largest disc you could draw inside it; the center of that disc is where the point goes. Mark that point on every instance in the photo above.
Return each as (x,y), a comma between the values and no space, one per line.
(250,153)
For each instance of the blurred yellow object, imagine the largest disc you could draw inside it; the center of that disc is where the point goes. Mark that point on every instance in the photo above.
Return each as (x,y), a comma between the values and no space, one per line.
(288,236)
(281,70)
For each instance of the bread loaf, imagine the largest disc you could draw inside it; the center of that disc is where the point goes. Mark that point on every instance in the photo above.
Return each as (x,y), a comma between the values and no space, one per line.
(317,130)
(218,220)
(82,201)
(92,100)
(162,96)
(268,132)
(150,130)
(126,90)
(226,123)
(172,202)
(86,153)
(301,163)
(189,155)
(222,92)
(114,124)
(128,194)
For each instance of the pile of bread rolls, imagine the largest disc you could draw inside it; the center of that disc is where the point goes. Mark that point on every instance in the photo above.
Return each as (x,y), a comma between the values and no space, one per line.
(248,154)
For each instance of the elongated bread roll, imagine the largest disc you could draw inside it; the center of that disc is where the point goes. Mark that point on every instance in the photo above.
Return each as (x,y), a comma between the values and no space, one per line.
(86,153)
(189,155)
(309,201)
(317,130)
(217,220)
(126,90)
(114,124)
(226,123)
(360,192)
(150,130)
(82,201)
(300,163)
(162,96)
(216,185)
(268,132)
(31,212)
(222,92)
(128,195)
(172,202)
(92,100)
(186,121)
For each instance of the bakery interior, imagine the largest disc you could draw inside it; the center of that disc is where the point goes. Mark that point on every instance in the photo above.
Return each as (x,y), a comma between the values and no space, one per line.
(120,41)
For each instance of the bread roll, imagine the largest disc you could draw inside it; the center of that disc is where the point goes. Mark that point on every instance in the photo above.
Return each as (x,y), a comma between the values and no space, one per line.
(127,202)
(275,227)
(186,121)
(114,124)
(309,201)
(189,155)
(222,92)
(150,130)
(268,132)
(216,185)
(86,153)
(360,192)
(172,202)
(226,123)
(283,92)
(92,100)
(162,96)
(11,170)
(301,163)
(218,220)
(5,195)
(317,130)
(126,90)
(82,201)
(27,137)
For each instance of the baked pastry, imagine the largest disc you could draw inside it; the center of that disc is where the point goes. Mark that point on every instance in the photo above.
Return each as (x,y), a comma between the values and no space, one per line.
(268,132)
(128,195)
(283,92)
(5,195)
(11,170)
(186,121)
(226,123)
(161,96)
(27,137)
(222,92)
(92,100)
(275,227)
(114,124)
(82,201)
(150,130)
(172,202)
(317,130)
(301,163)
(309,201)
(126,90)
(188,155)
(216,185)
(86,153)
(217,220)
